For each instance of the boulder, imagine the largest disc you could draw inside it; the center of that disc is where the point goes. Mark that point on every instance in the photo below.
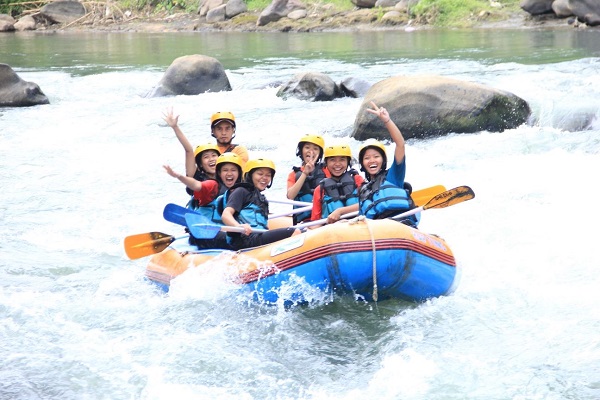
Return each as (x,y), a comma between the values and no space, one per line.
(208,5)
(63,11)
(27,23)
(364,3)
(354,87)
(536,7)
(587,11)
(428,105)
(235,7)
(217,14)
(191,75)
(311,86)
(15,92)
(278,9)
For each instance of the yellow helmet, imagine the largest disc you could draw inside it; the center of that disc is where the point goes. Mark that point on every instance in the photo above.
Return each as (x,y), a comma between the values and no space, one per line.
(372,144)
(221,116)
(338,150)
(230,158)
(314,139)
(251,165)
(208,146)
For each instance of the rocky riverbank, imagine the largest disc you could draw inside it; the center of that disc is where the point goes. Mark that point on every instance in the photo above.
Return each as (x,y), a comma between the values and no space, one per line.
(318,19)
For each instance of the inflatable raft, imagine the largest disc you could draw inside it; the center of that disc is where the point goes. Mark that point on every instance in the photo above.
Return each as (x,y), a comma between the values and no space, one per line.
(369,259)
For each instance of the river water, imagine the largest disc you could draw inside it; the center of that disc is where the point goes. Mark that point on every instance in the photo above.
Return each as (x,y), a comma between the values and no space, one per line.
(78,320)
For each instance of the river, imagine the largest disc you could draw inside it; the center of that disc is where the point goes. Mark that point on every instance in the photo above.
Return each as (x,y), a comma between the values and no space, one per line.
(78,320)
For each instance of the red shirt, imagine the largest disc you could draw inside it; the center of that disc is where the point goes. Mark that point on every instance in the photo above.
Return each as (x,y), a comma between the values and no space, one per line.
(208,192)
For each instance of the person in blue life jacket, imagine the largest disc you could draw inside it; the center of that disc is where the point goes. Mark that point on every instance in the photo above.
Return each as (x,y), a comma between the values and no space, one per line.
(303,180)
(385,193)
(337,194)
(208,194)
(246,206)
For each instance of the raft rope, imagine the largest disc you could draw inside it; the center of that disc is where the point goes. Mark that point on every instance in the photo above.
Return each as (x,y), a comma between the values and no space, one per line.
(363,218)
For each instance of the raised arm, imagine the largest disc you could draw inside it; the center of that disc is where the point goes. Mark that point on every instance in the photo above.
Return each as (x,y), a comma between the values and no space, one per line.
(190,162)
(190,182)
(394,131)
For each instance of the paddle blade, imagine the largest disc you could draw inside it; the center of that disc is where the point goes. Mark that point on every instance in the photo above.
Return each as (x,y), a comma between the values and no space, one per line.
(175,213)
(200,228)
(145,244)
(423,196)
(450,197)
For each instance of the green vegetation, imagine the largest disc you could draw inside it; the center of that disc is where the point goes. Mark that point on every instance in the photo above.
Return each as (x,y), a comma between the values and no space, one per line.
(456,13)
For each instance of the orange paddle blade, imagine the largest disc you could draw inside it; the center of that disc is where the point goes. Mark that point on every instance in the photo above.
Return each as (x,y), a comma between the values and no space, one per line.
(423,196)
(145,244)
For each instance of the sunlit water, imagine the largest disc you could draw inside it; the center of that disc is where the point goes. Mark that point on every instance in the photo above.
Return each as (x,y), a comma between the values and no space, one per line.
(78,321)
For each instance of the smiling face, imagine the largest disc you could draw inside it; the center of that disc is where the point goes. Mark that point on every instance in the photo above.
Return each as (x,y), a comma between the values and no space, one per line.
(261,178)
(372,161)
(310,152)
(337,165)
(229,174)
(223,132)
(208,162)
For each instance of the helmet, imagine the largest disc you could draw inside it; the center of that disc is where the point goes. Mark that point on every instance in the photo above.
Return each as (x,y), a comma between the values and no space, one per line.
(220,116)
(230,158)
(372,144)
(314,139)
(338,150)
(251,165)
(208,146)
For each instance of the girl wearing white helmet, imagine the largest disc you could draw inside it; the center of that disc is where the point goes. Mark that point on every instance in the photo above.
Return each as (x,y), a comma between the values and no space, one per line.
(384,194)
(303,180)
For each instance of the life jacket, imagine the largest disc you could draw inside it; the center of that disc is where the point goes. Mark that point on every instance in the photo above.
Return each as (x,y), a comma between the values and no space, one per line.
(213,210)
(306,191)
(380,199)
(336,193)
(255,213)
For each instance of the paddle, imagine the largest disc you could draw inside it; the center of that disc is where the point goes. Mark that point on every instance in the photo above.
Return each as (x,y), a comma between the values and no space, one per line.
(420,197)
(200,228)
(145,244)
(176,214)
(442,200)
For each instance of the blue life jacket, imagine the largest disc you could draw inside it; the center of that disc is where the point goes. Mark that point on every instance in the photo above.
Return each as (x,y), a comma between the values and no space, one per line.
(306,191)
(336,193)
(380,199)
(256,212)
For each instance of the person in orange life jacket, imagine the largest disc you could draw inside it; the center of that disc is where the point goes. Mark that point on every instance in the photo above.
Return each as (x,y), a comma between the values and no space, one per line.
(222,128)
(200,163)
(384,194)
(303,180)
(338,194)
(208,195)
(247,207)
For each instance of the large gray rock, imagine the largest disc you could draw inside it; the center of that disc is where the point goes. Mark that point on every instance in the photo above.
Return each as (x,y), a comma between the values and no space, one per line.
(587,11)
(311,86)
(191,75)
(278,9)
(354,87)
(536,7)
(15,92)
(235,7)
(427,105)
(63,11)
(27,23)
